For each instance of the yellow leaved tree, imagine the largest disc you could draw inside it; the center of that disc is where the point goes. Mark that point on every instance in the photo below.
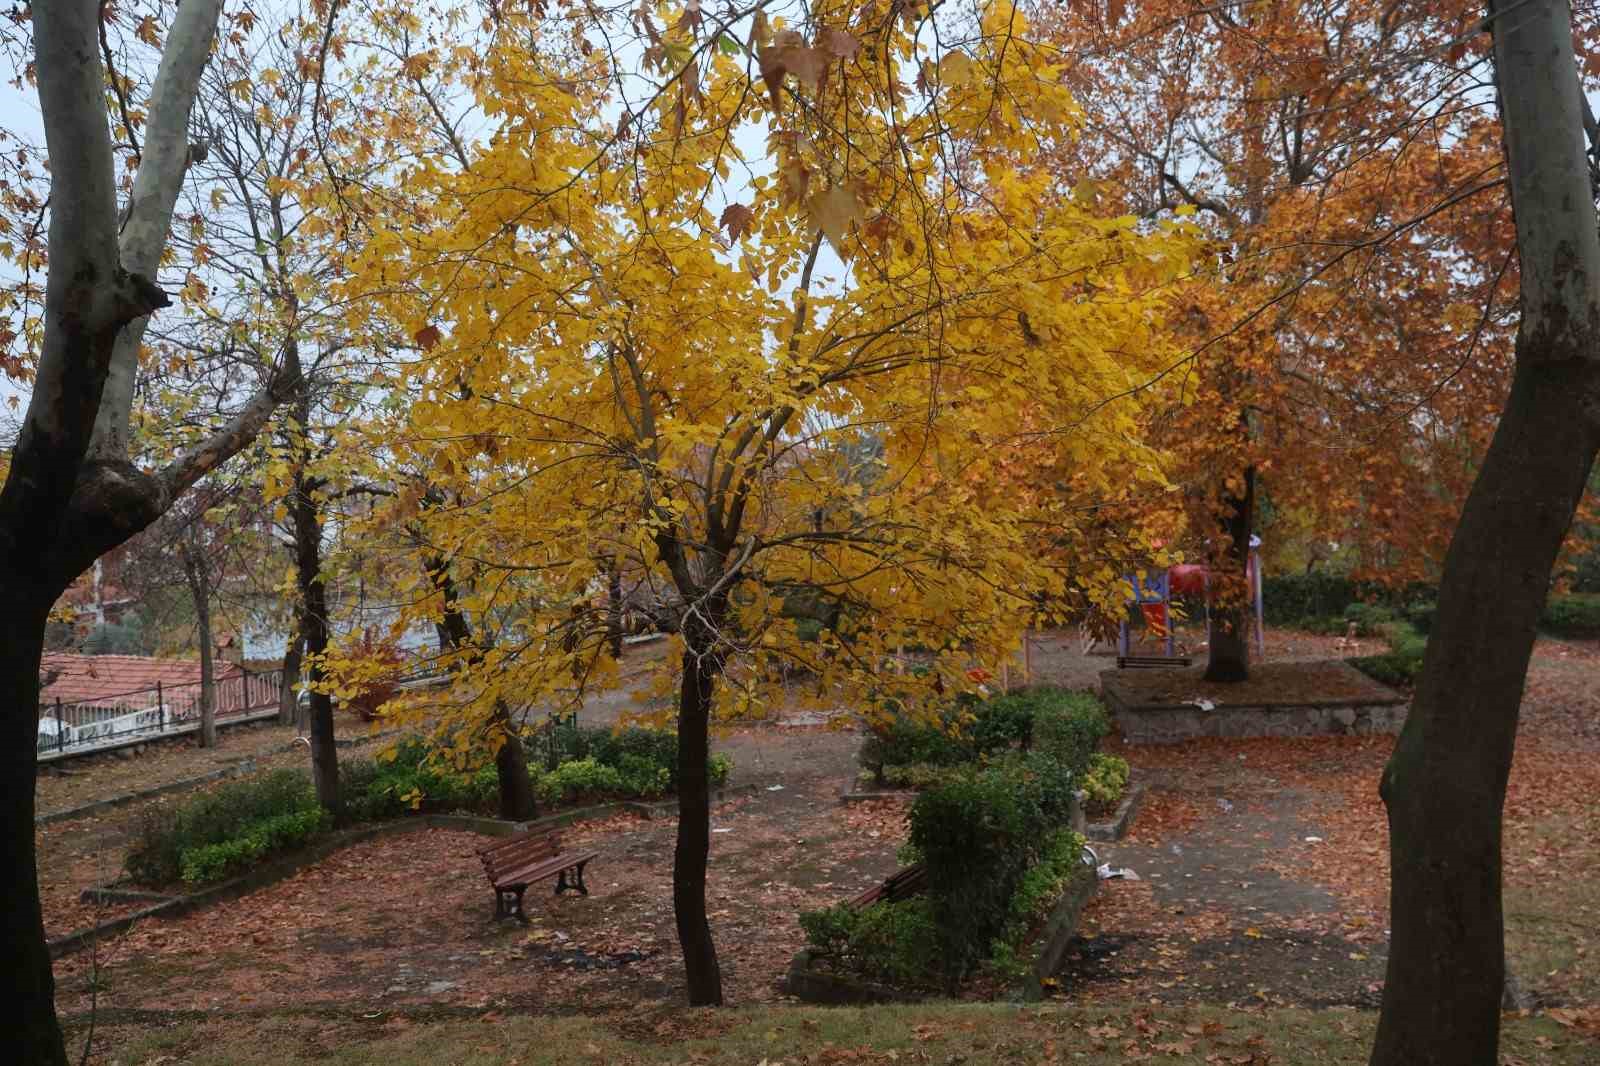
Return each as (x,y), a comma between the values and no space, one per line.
(757,319)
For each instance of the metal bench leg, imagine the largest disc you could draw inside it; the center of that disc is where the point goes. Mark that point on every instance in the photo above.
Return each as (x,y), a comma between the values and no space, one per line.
(576,884)
(582,888)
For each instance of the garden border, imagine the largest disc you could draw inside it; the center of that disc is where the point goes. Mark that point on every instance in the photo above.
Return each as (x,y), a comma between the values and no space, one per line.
(1059,930)
(1116,827)
(288,865)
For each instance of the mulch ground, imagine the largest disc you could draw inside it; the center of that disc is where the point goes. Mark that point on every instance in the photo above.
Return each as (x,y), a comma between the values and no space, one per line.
(1263,870)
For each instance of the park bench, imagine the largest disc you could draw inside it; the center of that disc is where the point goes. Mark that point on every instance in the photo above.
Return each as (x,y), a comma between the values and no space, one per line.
(1150,662)
(902,884)
(527,858)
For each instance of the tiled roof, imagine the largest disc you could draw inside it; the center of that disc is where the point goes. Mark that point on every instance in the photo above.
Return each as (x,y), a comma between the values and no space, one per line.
(98,678)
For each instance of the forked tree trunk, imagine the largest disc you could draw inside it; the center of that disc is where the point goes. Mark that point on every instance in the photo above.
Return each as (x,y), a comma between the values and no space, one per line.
(27,984)
(693,851)
(1228,653)
(1445,784)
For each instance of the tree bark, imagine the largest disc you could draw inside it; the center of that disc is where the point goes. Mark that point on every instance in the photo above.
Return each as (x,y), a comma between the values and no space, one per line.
(288,697)
(314,632)
(614,607)
(517,801)
(199,589)
(1228,654)
(1445,783)
(694,828)
(27,985)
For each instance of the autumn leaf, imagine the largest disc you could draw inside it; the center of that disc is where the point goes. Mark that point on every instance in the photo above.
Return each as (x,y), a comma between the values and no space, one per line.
(736,219)
(833,211)
(427,337)
(839,44)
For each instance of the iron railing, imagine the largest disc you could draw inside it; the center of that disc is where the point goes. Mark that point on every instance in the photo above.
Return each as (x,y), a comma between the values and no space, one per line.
(111,721)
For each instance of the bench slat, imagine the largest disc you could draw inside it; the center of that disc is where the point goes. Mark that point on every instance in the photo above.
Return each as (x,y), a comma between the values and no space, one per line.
(540,870)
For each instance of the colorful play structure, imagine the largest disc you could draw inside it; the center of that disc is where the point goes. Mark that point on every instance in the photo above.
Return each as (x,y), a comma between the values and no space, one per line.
(1152,595)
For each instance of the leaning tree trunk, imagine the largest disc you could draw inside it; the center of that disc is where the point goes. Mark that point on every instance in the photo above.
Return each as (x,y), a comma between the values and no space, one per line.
(1228,655)
(27,984)
(694,828)
(1445,784)
(614,607)
(314,632)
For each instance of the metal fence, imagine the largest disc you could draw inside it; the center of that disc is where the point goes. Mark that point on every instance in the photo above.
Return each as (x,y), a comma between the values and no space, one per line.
(146,714)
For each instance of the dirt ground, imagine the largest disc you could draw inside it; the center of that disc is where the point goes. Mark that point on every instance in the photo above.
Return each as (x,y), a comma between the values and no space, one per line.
(1262,870)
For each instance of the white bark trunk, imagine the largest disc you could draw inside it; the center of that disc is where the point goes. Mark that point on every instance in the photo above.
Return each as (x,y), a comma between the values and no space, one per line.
(155,194)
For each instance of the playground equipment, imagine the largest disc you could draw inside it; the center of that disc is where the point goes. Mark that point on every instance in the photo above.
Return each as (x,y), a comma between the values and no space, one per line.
(1152,593)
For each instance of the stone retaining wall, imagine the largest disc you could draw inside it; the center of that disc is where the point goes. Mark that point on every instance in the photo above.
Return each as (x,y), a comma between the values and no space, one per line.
(1172,724)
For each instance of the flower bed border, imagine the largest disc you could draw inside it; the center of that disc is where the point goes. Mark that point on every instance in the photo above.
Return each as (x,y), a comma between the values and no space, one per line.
(1059,930)
(1116,827)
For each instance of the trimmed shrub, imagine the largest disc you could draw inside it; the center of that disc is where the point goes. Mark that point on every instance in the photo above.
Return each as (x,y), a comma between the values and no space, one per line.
(897,943)
(1059,861)
(210,862)
(1105,780)
(214,818)
(978,835)
(1576,615)
(1068,726)
(1400,665)
(581,779)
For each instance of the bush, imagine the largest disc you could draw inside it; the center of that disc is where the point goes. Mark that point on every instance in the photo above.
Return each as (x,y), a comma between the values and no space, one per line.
(579,779)
(1401,664)
(1576,615)
(214,818)
(209,862)
(970,732)
(897,943)
(1105,780)
(1068,726)
(978,835)
(1060,860)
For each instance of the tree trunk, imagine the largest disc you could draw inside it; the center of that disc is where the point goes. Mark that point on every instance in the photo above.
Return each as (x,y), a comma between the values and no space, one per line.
(694,831)
(314,632)
(1445,783)
(288,698)
(517,802)
(614,607)
(1228,655)
(194,570)
(27,986)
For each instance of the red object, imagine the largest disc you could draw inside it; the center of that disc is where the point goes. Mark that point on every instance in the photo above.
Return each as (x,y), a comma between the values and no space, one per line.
(1155,617)
(1189,579)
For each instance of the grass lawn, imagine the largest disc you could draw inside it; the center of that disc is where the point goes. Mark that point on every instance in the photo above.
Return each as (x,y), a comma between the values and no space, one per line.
(791,1036)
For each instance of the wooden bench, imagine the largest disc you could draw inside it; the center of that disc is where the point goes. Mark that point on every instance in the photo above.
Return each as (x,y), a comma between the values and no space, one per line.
(1150,662)
(519,861)
(902,884)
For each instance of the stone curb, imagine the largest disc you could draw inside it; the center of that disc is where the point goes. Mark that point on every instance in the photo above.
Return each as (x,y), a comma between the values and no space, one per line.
(1116,827)
(239,769)
(810,984)
(274,871)
(1060,929)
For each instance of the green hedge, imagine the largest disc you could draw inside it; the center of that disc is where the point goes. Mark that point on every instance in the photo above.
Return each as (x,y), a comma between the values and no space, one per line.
(979,835)
(1575,615)
(897,943)
(1059,861)
(1105,780)
(1064,723)
(593,764)
(1402,663)
(225,814)
(211,862)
